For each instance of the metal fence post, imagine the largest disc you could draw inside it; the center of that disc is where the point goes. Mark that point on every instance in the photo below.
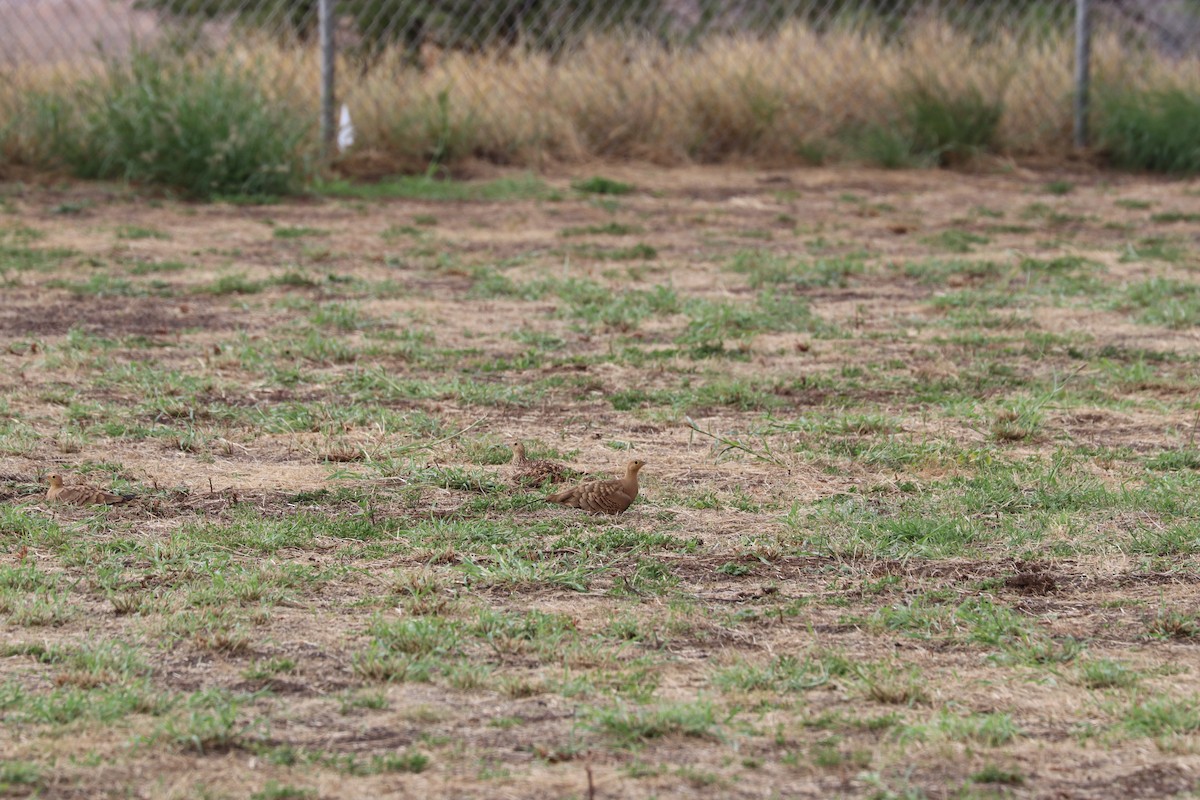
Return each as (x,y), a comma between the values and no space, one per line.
(325,23)
(1083,69)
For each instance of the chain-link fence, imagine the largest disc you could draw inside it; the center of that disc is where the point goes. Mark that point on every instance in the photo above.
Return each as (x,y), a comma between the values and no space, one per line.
(521,80)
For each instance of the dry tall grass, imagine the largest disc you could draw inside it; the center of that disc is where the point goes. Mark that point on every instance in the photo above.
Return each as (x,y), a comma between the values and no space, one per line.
(781,98)
(787,98)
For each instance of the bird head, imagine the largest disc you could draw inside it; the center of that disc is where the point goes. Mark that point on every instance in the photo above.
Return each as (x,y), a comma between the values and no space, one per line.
(518,451)
(56,481)
(633,466)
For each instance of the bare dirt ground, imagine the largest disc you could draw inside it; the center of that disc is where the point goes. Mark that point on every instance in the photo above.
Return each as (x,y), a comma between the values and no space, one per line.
(919,517)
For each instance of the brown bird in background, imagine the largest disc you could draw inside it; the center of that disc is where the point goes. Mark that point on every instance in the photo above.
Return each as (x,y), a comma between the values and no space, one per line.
(534,472)
(82,495)
(603,497)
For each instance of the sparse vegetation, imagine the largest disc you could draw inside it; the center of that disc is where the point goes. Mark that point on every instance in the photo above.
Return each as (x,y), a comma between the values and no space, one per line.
(920,508)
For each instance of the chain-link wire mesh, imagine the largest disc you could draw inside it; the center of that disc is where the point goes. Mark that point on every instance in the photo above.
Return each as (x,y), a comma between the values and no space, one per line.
(57,43)
(82,35)
(521,80)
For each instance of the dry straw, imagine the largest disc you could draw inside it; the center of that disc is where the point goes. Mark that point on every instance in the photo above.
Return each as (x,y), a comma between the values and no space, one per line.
(788,97)
(774,98)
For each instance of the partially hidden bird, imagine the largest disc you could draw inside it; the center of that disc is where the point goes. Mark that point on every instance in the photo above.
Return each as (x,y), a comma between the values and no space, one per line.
(603,497)
(525,471)
(82,495)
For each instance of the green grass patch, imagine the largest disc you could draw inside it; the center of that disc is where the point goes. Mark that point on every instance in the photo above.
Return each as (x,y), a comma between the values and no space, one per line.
(1164,301)
(425,187)
(1153,248)
(763,268)
(233,284)
(637,252)
(140,232)
(607,229)
(298,232)
(19,777)
(205,130)
(783,674)
(1188,458)
(956,241)
(623,310)
(1162,717)
(950,126)
(938,126)
(104,285)
(273,790)
(887,146)
(1107,674)
(1170,217)
(153,267)
(631,725)
(20,259)
(601,185)
(1149,129)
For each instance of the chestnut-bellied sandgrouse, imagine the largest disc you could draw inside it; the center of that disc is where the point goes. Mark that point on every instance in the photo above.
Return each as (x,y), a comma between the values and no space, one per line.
(82,495)
(603,497)
(525,471)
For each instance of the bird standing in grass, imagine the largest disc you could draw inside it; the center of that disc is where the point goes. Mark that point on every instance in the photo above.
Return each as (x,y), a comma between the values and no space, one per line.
(82,495)
(534,472)
(603,497)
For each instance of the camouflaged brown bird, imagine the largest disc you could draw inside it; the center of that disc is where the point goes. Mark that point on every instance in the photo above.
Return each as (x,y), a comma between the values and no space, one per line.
(603,497)
(534,472)
(82,495)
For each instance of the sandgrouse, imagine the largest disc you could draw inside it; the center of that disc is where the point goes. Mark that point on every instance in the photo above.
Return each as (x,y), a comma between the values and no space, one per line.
(603,497)
(82,495)
(534,472)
